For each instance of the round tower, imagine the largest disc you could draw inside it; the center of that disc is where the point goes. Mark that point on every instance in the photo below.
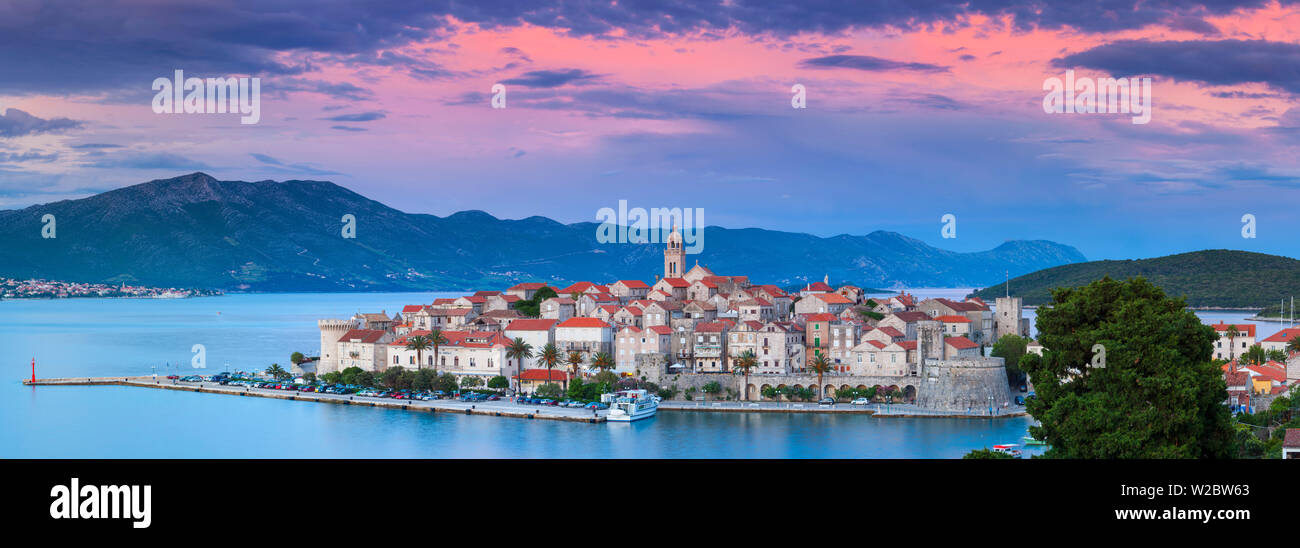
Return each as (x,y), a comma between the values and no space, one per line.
(331,331)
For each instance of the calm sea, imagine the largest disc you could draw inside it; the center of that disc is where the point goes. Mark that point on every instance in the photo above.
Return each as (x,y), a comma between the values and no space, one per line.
(104,337)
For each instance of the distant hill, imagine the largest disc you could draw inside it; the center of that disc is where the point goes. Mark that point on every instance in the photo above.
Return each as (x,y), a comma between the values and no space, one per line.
(1212,278)
(196,231)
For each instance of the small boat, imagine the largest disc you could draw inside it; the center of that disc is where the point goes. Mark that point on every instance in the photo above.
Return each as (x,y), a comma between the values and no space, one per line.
(1031,441)
(630,405)
(1008,448)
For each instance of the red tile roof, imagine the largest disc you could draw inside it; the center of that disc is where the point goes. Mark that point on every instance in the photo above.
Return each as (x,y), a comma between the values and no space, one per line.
(412,308)
(531,325)
(583,322)
(907,345)
(1284,335)
(1246,329)
(1237,378)
(891,331)
(818,286)
(661,329)
(1292,439)
(912,316)
(710,327)
(543,375)
(528,286)
(1273,371)
(365,335)
(953,319)
(832,298)
(633,284)
(820,317)
(676,282)
(960,343)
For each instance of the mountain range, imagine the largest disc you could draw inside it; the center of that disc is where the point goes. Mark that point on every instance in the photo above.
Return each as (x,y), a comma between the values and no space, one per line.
(196,231)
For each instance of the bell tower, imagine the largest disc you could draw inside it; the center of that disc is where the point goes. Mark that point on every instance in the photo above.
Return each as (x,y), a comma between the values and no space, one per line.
(674,255)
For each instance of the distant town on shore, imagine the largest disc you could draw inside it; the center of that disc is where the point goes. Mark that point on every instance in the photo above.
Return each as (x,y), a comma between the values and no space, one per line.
(55,289)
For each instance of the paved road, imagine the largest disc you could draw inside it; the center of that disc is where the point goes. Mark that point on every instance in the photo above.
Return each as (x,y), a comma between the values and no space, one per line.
(451,405)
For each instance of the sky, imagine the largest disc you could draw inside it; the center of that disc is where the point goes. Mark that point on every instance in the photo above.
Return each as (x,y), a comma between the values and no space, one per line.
(914,111)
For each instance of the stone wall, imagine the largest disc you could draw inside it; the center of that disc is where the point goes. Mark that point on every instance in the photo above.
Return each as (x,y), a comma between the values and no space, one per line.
(956,384)
(946,385)
(961,384)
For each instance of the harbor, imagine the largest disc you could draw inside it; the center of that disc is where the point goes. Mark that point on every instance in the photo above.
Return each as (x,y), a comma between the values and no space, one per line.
(92,379)
(490,408)
(507,408)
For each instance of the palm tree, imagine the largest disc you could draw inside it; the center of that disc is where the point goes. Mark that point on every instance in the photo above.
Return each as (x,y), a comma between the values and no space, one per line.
(744,362)
(1232,336)
(549,356)
(1255,354)
(419,344)
(437,339)
(519,350)
(575,359)
(821,364)
(602,361)
(277,372)
(1293,345)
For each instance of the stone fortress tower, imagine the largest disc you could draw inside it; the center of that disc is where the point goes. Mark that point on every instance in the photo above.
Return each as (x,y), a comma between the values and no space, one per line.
(964,383)
(929,345)
(330,333)
(1009,319)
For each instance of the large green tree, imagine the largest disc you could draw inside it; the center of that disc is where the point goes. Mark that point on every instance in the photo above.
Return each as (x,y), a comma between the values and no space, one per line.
(1010,348)
(1156,394)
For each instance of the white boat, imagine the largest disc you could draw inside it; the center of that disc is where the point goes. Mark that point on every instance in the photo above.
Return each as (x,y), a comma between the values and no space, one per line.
(630,405)
(1008,448)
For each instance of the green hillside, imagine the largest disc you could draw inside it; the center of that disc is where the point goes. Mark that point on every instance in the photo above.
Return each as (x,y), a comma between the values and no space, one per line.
(1211,278)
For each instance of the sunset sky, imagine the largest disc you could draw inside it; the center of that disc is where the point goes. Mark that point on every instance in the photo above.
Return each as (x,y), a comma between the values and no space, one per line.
(914,110)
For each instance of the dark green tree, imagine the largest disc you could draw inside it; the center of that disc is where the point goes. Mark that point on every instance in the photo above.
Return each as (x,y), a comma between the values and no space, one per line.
(498,382)
(986,453)
(447,383)
(549,390)
(1157,394)
(1010,348)
(424,380)
(391,377)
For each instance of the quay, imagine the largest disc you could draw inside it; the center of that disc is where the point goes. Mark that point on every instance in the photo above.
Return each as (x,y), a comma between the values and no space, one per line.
(509,409)
(882,410)
(489,408)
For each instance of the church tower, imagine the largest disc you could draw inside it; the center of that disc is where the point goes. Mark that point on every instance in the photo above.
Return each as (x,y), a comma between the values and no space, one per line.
(674,255)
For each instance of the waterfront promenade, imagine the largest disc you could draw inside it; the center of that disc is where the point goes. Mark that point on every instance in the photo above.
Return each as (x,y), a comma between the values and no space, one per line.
(505,408)
(492,408)
(893,410)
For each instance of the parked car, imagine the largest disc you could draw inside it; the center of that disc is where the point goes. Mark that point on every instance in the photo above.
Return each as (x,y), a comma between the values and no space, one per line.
(860,401)
(596,405)
(826,401)
(494,397)
(1020,400)
(1024,388)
